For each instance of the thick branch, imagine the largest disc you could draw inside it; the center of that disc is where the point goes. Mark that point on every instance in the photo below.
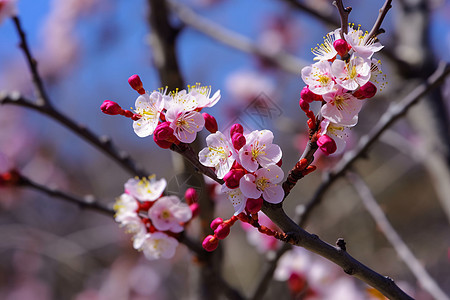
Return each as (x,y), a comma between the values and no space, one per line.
(371,205)
(394,112)
(104,144)
(343,13)
(284,60)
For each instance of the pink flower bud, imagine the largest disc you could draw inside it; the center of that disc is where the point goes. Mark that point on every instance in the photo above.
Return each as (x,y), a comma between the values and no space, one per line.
(236,128)
(195,209)
(191,196)
(254,205)
(222,231)
(238,140)
(162,143)
(232,178)
(341,47)
(215,223)
(111,108)
(326,144)
(163,131)
(136,83)
(366,91)
(309,96)
(210,243)
(304,105)
(210,123)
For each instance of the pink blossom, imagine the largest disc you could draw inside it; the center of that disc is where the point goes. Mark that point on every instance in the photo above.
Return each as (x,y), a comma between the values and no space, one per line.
(264,182)
(353,74)
(219,154)
(145,189)
(185,124)
(363,47)
(156,245)
(149,107)
(236,197)
(168,213)
(259,150)
(318,77)
(326,50)
(341,107)
(337,132)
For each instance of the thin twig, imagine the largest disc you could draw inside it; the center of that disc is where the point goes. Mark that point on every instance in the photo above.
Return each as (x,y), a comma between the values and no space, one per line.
(42,98)
(343,13)
(371,205)
(104,144)
(376,29)
(394,112)
(284,60)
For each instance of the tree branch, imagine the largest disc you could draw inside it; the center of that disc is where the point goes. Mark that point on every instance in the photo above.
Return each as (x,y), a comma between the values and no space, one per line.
(376,29)
(372,207)
(104,144)
(284,60)
(343,13)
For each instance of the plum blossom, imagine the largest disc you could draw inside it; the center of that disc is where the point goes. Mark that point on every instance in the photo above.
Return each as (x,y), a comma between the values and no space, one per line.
(265,182)
(219,154)
(185,123)
(326,50)
(202,93)
(357,39)
(318,77)
(146,189)
(236,198)
(353,74)
(168,212)
(181,101)
(149,107)
(335,131)
(341,107)
(156,245)
(8,9)
(376,74)
(125,205)
(259,150)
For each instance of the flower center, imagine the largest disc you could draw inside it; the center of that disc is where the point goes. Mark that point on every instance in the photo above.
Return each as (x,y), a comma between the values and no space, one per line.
(323,79)
(262,183)
(339,102)
(218,151)
(353,73)
(165,214)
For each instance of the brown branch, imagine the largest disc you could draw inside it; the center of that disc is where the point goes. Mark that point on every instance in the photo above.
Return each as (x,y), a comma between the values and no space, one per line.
(104,144)
(343,13)
(405,254)
(394,112)
(376,29)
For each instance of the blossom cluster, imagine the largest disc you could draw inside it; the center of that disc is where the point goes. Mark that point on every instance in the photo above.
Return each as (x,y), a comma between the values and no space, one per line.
(345,74)
(248,165)
(171,117)
(153,219)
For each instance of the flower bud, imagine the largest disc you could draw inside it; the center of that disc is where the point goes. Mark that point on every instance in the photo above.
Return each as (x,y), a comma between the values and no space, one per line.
(222,231)
(111,108)
(210,243)
(127,113)
(341,47)
(162,143)
(191,196)
(309,96)
(210,123)
(136,83)
(232,178)
(238,140)
(304,105)
(163,131)
(254,205)
(366,91)
(236,128)
(195,209)
(297,283)
(215,223)
(326,144)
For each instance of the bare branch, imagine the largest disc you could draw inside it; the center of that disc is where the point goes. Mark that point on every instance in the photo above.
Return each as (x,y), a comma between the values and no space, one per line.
(343,13)
(394,112)
(376,29)
(104,144)
(284,60)
(371,205)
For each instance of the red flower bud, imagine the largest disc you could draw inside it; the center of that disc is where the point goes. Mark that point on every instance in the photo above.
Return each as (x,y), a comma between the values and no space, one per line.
(341,47)
(191,196)
(309,96)
(215,223)
(222,231)
(238,140)
(326,144)
(195,209)
(254,205)
(366,91)
(163,131)
(111,108)
(210,123)
(162,143)
(136,83)
(210,243)
(304,105)
(232,178)
(236,128)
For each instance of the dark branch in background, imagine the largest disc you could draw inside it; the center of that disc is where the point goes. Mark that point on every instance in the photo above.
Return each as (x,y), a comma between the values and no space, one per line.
(376,29)
(104,144)
(394,112)
(372,207)
(282,59)
(42,98)
(343,13)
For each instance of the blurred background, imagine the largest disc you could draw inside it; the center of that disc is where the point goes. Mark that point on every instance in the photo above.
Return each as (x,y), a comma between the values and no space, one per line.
(86,50)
